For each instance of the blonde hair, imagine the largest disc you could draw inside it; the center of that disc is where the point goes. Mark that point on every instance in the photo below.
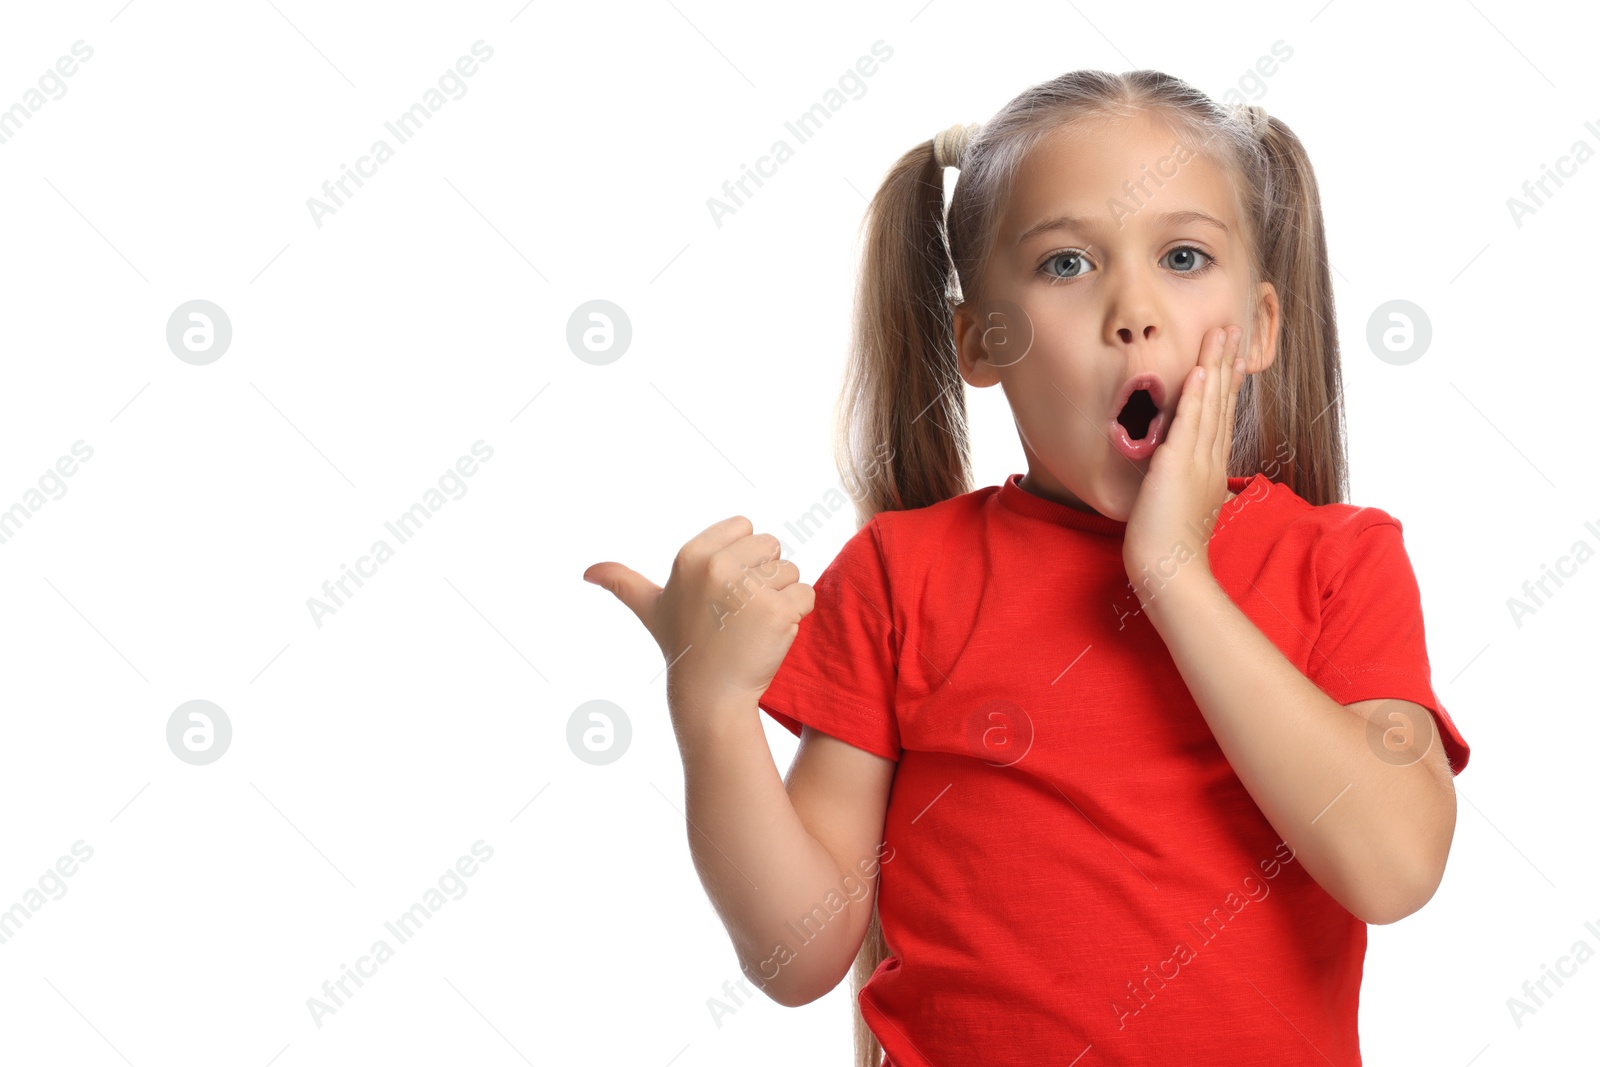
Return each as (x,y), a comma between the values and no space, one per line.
(903,391)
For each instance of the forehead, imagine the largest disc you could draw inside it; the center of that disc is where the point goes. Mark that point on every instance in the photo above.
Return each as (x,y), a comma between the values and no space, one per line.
(1107,168)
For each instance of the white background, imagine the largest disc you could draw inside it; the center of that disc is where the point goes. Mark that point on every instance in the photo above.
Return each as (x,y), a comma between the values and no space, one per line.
(430,311)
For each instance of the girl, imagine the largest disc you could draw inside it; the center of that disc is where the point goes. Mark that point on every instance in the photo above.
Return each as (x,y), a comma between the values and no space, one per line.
(1126,751)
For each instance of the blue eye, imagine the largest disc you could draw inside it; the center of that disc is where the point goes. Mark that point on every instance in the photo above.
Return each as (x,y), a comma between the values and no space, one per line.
(1075,258)
(1071,255)
(1193,251)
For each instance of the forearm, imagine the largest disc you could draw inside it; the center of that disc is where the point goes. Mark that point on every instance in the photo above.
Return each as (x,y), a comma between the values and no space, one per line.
(1362,826)
(766,875)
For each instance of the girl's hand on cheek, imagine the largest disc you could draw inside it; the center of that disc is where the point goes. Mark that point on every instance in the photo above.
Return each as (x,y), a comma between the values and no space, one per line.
(1187,480)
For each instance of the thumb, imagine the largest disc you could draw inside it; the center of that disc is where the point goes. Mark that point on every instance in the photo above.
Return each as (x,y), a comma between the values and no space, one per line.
(629,586)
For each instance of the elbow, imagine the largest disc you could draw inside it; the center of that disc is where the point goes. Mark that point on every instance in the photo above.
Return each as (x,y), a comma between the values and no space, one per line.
(788,986)
(800,998)
(1393,909)
(771,981)
(806,988)
(1402,897)
(795,996)
(1421,871)
(797,976)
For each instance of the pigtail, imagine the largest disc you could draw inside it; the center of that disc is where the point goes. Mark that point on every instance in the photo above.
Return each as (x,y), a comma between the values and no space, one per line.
(1298,402)
(874,950)
(901,423)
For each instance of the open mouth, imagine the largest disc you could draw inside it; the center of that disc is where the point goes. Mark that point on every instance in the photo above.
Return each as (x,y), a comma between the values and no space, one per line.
(1136,414)
(1137,424)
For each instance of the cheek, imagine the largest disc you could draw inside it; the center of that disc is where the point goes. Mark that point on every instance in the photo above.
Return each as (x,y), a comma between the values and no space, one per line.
(1194,342)
(1057,399)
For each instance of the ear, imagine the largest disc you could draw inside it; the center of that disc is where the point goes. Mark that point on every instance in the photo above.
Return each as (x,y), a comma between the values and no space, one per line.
(973,359)
(1264,345)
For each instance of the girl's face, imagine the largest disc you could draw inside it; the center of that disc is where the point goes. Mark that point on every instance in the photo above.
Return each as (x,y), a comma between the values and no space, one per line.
(1076,310)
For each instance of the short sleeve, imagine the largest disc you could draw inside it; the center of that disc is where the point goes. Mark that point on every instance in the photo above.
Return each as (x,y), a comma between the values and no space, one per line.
(1372,643)
(839,676)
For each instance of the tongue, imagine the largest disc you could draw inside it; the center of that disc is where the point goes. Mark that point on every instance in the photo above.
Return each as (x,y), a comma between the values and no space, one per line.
(1137,413)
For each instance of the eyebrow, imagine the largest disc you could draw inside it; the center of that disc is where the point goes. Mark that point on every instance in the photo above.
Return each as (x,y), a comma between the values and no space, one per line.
(1082,223)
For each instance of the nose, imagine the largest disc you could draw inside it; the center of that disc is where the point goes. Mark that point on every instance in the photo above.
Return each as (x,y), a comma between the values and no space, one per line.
(1133,309)
(1132,319)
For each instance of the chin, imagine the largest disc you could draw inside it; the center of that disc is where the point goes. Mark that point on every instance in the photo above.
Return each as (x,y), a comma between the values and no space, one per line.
(1118,504)
(1118,514)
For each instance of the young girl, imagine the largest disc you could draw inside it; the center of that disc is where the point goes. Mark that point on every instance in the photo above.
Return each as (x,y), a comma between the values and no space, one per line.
(1132,746)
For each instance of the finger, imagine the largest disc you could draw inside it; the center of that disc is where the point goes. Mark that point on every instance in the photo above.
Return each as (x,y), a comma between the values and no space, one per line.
(1186,417)
(717,536)
(1230,409)
(1220,398)
(752,551)
(1206,431)
(753,562)
(1230,360)
(756,561)
(627,585)
(802,596)
(779,573)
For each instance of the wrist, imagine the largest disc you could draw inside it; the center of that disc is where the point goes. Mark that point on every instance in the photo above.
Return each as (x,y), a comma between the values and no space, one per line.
(1178,561)
(1192,589)
(699,713)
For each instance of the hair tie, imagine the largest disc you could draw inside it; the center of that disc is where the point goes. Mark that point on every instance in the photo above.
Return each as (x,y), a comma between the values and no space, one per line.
(1252,115)
(950,145)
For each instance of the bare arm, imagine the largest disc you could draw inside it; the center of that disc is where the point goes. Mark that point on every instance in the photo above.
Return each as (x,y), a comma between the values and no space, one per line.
(791,867)
(1373,833)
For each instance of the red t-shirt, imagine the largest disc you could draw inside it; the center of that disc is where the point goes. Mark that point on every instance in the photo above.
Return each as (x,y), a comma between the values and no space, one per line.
(1075,863)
